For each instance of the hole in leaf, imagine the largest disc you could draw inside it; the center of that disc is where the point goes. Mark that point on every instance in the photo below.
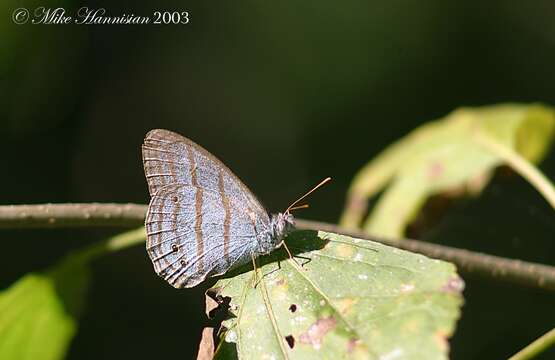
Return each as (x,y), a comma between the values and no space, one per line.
(290,341)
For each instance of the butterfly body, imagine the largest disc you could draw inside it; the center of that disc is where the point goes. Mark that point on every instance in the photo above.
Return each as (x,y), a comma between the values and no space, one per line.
(202,220)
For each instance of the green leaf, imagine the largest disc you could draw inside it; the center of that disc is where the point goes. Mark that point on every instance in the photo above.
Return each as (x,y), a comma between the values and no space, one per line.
(454,155)
(351,298)
(38,312)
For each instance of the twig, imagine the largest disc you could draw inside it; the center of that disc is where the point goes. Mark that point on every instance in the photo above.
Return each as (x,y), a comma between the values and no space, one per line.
(469,262)
(71,215)
(536,347)
(127,215)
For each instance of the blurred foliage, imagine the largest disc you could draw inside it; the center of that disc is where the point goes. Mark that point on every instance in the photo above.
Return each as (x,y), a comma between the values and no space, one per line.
(38,313)
(444,156)
(39,70)
(351,298)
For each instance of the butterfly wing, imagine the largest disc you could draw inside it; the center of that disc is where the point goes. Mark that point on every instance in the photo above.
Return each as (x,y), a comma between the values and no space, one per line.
(170,158)
(193,233)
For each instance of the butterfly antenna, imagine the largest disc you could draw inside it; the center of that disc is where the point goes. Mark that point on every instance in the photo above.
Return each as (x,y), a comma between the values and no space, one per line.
(303,206)
(293,207)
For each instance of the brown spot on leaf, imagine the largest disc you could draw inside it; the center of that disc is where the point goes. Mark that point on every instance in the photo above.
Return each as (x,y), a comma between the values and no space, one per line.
(440,338)
(356,349)
(455,285)
(435,170)
(352,344)
(346,304)
(293,308)
(316,332)
(357,203)
(344,250)
(280,291)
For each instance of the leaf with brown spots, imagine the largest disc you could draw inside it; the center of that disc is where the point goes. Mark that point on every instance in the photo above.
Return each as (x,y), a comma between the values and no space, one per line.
(351,299)
(316,332)
(451,156)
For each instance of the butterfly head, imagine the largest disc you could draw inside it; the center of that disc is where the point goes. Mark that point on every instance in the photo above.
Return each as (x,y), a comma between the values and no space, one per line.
(281,225)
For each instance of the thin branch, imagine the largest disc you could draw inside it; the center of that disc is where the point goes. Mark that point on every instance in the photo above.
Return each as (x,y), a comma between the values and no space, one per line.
(71,215)
(469,262)
(536,347)
(128,215)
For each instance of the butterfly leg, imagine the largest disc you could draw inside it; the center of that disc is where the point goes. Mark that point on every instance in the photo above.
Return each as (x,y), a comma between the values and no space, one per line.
(255,271)
(282,243)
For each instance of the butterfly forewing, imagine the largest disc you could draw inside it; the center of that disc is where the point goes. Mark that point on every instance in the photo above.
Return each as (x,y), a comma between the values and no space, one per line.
(164,160)
(169,158)
(202,220)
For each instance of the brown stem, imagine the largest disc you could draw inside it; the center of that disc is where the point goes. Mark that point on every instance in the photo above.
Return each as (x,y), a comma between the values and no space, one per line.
(468,262)
(71,215)
(129,215)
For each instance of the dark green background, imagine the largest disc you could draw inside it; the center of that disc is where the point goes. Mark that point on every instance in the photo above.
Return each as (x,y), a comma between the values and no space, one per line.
(285,93)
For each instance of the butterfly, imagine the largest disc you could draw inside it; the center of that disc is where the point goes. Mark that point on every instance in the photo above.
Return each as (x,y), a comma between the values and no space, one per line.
(202,220)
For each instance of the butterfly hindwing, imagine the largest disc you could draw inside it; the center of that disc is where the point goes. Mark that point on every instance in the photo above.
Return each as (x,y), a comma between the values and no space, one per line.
(193,233)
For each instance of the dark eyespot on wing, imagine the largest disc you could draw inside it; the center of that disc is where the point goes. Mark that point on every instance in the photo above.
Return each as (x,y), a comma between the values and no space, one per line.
(186,240)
